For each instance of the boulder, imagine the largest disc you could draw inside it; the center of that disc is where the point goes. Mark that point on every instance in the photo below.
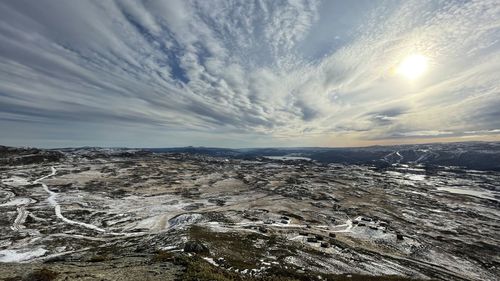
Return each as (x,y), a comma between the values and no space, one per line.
(195,247)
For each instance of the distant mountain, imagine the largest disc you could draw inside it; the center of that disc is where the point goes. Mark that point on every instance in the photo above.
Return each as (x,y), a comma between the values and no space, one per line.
(27,155)
(471,155)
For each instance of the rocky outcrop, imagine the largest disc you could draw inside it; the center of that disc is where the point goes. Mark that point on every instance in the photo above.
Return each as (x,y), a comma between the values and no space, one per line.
(196,247)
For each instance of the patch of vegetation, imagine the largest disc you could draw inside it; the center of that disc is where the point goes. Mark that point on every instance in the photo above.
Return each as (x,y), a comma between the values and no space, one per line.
(245,250)
(43,274)
(190,193)
(108,253)
(292,215)
(16,278)
(217,216)
(98,258)
(310,275)
(239,249)
(119,193)
(197,269)
(356,277)
(163,256)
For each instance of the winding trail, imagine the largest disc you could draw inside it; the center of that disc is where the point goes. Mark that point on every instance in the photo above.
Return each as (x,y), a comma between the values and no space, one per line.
(52,199)
(57,208)
(22,214)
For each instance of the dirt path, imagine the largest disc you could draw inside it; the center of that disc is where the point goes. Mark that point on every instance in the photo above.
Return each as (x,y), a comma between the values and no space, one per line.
(57,208)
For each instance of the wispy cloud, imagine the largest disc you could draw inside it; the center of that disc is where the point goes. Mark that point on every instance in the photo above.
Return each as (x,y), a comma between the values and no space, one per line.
(267,72)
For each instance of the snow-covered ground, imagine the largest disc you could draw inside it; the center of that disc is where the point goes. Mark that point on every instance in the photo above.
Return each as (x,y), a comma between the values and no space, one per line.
(486,194)
(52,199)
(357,218)
(21,255)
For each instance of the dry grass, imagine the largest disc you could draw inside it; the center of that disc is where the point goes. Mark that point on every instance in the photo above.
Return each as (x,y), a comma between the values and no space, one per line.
(43,274)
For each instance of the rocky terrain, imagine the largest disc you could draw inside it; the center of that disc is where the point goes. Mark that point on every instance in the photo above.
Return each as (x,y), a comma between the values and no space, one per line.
(119,214)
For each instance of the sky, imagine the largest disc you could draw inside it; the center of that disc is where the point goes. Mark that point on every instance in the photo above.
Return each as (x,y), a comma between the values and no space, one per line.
(248,73)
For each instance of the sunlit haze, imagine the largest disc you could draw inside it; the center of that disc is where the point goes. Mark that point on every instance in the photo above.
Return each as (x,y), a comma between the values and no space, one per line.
(413,66)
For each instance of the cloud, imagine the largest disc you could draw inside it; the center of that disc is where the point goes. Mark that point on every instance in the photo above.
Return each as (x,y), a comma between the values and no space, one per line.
(292,72)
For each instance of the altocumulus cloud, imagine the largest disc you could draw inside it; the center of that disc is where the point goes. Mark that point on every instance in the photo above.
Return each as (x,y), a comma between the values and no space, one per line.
(246,73)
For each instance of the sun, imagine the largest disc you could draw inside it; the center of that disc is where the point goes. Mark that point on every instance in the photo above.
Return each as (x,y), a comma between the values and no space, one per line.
(413,66)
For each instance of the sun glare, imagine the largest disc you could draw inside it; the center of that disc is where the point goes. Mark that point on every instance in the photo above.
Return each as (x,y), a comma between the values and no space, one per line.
(413,66)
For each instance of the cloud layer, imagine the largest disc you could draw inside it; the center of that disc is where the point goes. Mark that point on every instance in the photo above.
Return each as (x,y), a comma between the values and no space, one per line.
(246,73)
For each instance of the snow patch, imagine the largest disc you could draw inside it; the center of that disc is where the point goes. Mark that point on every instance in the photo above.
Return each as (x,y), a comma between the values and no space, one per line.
(211,261)
(486,194)
(184,220)
(15,181)
(20,255)
(17,202)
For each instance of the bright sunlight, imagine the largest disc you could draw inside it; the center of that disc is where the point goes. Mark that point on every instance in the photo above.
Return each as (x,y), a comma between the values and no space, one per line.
(413,66)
